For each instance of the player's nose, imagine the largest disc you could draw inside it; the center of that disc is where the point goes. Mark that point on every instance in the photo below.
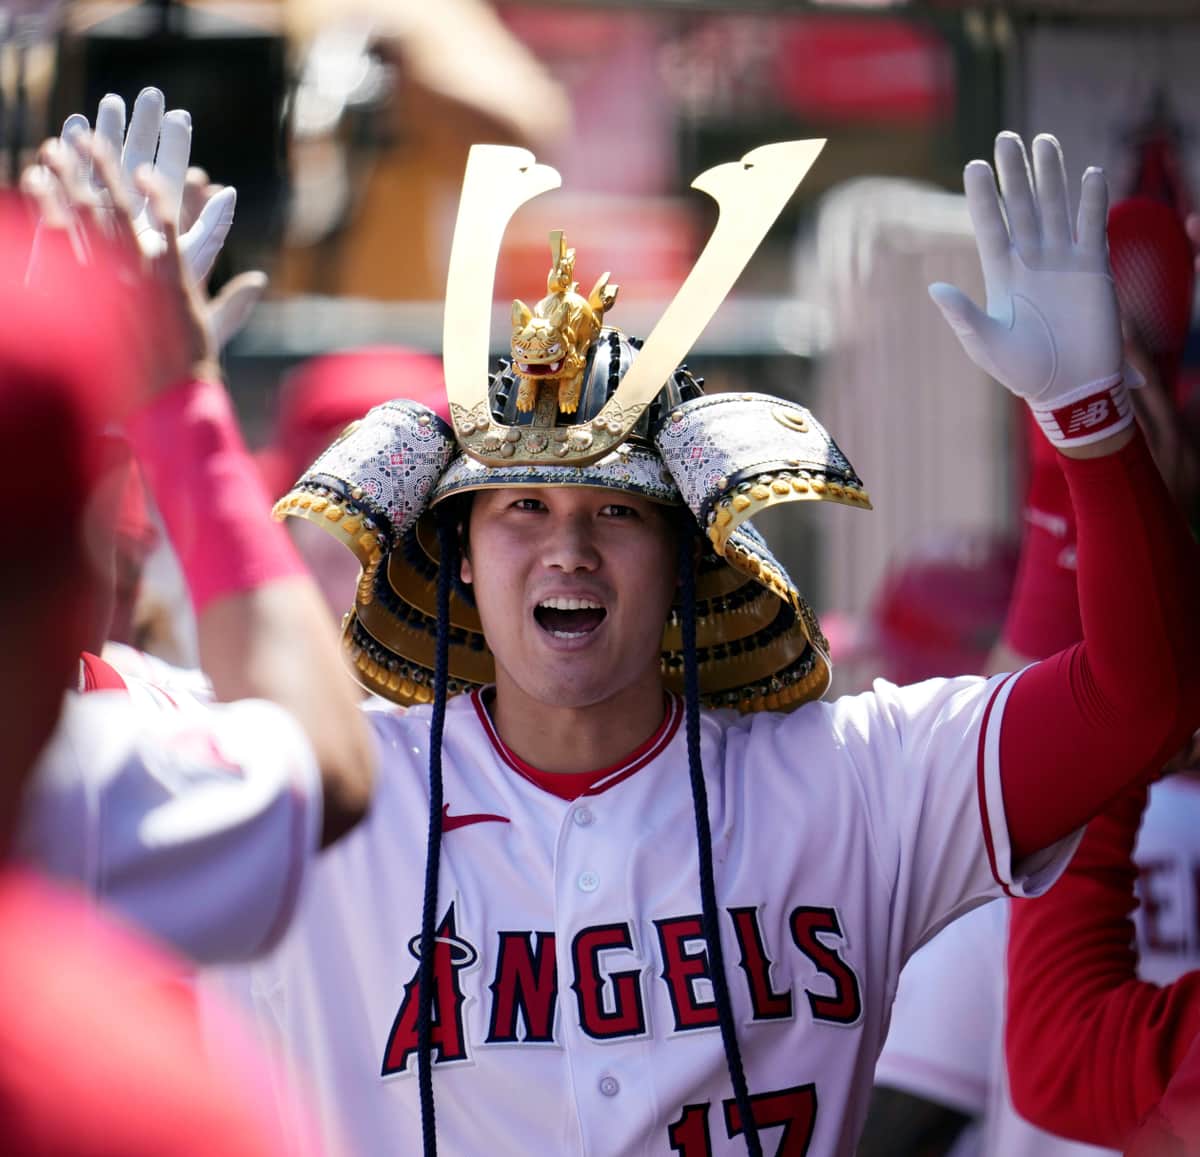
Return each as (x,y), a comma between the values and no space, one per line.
(570,543)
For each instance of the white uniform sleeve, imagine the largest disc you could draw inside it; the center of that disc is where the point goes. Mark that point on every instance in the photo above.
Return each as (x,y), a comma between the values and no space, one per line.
(196,826)
(175,685)
(927,758)
(948,1015)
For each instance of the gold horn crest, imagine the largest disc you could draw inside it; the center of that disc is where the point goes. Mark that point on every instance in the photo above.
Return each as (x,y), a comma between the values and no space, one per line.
(750,194)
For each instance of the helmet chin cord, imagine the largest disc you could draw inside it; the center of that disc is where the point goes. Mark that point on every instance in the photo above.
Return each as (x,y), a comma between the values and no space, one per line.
(447,569)
(710,915)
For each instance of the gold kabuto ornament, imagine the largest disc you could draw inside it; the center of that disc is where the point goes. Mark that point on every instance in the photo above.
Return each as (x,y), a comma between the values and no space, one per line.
(750,194)
(550,342)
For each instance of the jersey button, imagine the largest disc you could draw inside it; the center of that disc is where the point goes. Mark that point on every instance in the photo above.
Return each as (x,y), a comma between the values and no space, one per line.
(584,817)
(610,1086)
(588,881)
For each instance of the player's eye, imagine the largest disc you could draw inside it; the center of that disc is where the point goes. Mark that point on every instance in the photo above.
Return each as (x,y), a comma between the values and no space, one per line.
(533,504)
(618,510)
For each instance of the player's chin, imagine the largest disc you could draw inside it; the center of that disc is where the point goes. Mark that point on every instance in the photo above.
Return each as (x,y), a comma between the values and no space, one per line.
(566,685)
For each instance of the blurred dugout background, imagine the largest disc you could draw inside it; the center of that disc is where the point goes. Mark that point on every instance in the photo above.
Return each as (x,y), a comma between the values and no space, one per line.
(345,126)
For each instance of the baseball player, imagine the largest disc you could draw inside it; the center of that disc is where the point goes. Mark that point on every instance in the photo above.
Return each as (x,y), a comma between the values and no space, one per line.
(943,1063)
(586,915)
(198,823)
(1074,985)
(99,1048)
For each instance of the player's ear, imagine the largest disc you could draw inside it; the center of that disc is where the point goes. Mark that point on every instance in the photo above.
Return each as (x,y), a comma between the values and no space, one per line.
(461,516)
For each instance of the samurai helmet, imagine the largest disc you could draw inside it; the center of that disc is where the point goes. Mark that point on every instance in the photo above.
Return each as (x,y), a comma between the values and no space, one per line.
(582,404)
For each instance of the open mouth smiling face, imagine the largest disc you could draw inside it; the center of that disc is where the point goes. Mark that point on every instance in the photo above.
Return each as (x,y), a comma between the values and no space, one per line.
(569,618)
(573,586)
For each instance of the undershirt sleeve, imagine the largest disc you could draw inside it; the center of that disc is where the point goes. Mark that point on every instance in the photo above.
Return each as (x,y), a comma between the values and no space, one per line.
(1108,712)
(1090,1047)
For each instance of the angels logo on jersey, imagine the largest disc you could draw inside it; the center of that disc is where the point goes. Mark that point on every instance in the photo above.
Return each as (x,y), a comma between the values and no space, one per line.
(451,957)
(611,1000)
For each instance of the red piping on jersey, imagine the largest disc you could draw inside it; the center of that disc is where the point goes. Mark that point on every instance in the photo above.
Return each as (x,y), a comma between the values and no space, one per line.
(981,787)
(603,778)
(98,675)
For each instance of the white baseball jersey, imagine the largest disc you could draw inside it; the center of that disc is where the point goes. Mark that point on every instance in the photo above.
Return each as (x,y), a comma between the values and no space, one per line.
(156,676)
(196,824)
(946,1042)
(573,1009)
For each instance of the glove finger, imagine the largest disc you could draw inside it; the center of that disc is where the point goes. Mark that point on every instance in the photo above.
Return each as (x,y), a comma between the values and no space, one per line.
(110,126)
(197,189)
(957,308)
(1016,187)
(977,332)
(231,308)
(1051,177)
(1092,226)
(202,242)
(70,161)
(75,123)
(142,138)
(987,219)
(75,132)
(174,149)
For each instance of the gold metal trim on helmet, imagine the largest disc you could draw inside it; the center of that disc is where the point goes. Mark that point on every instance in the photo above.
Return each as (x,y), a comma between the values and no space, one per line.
(746,503)
(750,194)
(419,646)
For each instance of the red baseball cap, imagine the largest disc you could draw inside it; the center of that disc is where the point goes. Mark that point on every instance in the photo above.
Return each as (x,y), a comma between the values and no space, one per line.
(318,400)
(68,367)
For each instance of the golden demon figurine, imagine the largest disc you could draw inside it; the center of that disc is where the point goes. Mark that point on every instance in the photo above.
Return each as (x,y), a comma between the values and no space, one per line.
(550,342)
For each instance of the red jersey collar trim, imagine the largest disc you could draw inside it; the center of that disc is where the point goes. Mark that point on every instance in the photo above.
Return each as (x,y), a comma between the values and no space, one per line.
(597,781)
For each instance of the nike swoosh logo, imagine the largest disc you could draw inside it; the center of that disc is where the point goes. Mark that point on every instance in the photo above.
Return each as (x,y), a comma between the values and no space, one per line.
(449,822)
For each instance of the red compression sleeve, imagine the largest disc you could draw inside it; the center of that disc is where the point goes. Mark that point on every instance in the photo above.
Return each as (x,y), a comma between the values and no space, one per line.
(1108,712)
(1173,1126)
(1043,613)
(1091,1048)
(210,494)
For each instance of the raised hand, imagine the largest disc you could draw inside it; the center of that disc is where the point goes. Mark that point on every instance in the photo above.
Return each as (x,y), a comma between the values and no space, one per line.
(162,140)
(1051,331)
(229,309)
(175,336)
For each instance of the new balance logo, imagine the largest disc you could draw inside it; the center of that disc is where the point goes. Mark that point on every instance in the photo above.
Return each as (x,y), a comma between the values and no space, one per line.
(1089,417)
(1086,416)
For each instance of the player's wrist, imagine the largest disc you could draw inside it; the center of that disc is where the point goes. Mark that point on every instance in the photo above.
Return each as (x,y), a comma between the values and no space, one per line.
(1084,421)
(212,499)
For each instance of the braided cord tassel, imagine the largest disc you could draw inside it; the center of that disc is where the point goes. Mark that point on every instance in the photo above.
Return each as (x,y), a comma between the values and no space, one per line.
(448,544)
(708,891)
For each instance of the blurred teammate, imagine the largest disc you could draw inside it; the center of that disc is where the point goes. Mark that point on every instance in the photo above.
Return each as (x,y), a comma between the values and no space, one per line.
(1095,1052)
(942,1067)
(198,824)
(100,1049)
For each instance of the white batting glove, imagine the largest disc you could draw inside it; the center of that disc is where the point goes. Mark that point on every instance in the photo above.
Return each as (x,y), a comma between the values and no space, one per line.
(163,140)
(1052,331)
